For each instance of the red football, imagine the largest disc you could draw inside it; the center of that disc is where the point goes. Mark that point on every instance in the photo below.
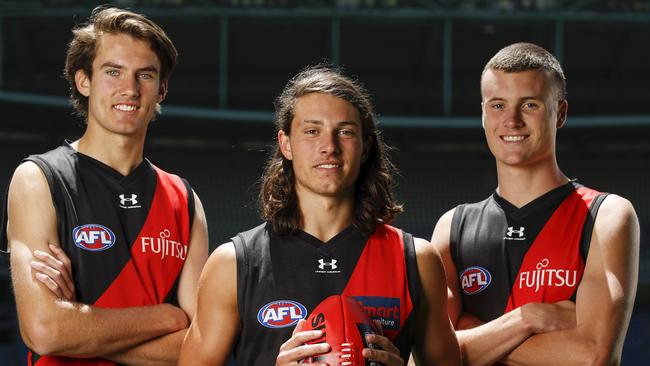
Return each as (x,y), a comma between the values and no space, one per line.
(344,325)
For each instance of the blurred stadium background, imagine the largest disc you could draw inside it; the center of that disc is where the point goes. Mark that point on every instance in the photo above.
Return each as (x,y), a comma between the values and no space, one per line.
(420,59)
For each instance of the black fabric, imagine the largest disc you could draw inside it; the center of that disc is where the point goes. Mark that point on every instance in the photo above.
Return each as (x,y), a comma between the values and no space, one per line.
(589,224)
(271,267)
(190,200)
(4,245)
(86,191)
(477,236)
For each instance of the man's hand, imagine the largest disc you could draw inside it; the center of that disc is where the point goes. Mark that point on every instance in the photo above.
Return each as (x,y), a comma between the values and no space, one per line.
(542,318)
(55,271)
(386,353)
(295,348)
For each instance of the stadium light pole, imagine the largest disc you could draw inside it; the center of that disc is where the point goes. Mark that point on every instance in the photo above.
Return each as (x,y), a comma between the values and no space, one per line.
(223,61)
(1,56)
(447,67)
(559,41)
(335,40)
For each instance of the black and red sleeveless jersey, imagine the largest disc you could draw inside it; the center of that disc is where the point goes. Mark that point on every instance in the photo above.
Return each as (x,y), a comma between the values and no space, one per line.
(508,256)
(280,279)
(126,236)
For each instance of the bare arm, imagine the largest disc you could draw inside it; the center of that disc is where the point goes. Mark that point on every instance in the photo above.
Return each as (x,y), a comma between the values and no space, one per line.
(485,344)
(216,323)
(436,341)
(604,299)
(165,350)
(48,324)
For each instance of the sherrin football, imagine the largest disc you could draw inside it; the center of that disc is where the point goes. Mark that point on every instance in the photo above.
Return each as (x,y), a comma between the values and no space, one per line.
(344,325)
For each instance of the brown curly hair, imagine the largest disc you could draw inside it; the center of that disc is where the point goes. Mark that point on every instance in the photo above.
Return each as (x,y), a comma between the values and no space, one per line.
(83,46)
(374,196)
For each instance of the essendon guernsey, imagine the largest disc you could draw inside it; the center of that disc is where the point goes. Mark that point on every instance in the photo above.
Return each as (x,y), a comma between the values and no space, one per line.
(508,256)
(281,279)
(126,236)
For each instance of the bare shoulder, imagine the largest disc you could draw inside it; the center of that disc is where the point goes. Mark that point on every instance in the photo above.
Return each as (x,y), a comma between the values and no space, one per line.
(223,255)
(616,210)
(428,259)
(445,219)
(616,228)
(424,248)
(28,179)
(218,281)
(442,230)
(31,214)
(221,266)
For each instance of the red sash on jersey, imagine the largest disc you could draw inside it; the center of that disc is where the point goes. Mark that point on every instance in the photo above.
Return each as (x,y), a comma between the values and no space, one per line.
(157,258)
(552,268)
(380,278)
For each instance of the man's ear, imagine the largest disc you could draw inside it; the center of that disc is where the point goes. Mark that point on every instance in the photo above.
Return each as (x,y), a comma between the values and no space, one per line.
(162,93)
(285,145)
(82,82)
(368,141)
(562,110)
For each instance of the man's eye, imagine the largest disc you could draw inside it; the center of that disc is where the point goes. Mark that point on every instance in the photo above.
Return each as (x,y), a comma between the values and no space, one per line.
(112,72)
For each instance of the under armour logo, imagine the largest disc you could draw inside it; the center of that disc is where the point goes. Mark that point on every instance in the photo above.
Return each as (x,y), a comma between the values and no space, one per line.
(133,200)
(511,231)
(322,264)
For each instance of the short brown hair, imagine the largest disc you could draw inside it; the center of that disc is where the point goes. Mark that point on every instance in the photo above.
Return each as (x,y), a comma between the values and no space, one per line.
(520,57)
(373,190)
(83,47)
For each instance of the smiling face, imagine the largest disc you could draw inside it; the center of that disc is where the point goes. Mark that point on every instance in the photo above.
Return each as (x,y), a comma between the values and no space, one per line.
(325,146)
(125,86)
(520,116)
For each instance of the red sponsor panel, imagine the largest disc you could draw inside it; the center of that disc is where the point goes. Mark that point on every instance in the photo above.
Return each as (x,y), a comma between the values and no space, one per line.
(381,272)
(553,266)
(159,251)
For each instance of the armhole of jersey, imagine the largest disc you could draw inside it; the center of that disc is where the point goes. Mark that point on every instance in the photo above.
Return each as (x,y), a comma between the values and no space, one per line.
(587,230)
(4,241)
(191,205)
(242,270)
(588,227)
(412,274)
(413,280)
(454,231)
(57,195)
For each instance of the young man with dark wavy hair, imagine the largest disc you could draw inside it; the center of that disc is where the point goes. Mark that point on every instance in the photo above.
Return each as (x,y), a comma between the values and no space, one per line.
(106,248)
(327,202)
(544,271)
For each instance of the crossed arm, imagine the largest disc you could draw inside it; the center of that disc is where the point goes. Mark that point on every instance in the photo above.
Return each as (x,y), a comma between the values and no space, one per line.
(590,331)
(55,325)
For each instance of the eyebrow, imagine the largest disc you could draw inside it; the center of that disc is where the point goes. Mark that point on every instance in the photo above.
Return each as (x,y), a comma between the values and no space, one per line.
(341,123)
(501,99)
(150,68)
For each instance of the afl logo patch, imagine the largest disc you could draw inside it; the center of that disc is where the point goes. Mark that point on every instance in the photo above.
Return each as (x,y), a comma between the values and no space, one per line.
(93,237)
(281,314)
(474,280)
